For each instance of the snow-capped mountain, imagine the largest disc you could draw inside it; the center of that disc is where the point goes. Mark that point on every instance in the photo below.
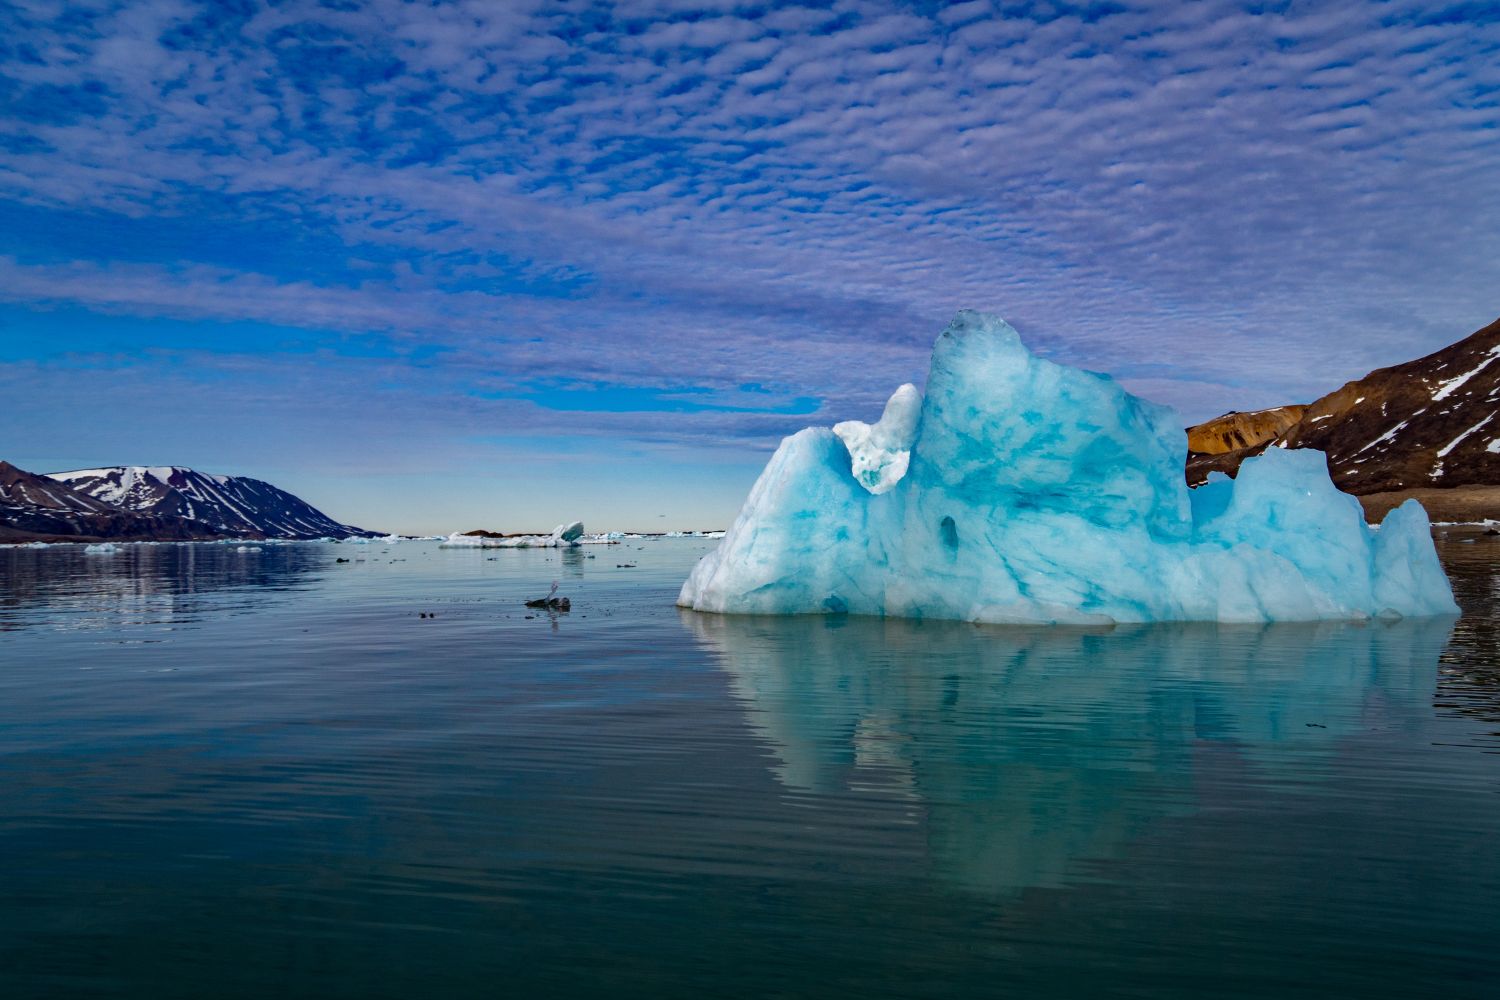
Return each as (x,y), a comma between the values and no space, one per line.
(1429,423)
(231,505)
(33,507)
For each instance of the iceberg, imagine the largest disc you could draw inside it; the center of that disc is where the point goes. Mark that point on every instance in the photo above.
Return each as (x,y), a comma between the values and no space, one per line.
(1020,490)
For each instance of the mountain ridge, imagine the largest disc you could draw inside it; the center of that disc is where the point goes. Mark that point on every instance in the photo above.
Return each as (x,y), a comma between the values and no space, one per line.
(234,505)
(38,508)
(154,503)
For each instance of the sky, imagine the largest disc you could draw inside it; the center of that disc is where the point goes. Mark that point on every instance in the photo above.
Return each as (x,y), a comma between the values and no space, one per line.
(439,266)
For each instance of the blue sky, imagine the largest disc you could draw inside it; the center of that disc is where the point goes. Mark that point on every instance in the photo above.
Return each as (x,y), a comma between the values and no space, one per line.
(446,265)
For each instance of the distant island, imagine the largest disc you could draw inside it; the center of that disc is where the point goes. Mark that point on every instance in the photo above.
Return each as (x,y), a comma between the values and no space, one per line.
(154,503)
(1425,429)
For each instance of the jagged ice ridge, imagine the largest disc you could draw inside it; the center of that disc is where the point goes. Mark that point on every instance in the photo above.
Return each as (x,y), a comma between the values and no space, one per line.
(1024,491)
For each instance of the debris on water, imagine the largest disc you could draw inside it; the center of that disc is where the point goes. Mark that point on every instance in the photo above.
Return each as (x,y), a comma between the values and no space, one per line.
(624,565)
(551,602)
(340,559)
(1315,725)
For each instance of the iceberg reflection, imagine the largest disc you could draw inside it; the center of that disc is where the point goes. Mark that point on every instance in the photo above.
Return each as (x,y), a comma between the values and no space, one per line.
(1025,752)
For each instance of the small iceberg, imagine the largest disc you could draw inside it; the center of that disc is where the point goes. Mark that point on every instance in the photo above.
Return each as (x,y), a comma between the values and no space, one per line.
(101,549)
(1024,491)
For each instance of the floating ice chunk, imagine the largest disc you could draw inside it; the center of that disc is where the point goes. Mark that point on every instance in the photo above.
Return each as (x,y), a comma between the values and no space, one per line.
(249,549)
(879,453)
(1035,492)
(102,549)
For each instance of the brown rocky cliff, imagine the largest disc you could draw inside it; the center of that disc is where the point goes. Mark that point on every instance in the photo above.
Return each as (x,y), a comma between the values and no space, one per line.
(1431,423)
(1236,430)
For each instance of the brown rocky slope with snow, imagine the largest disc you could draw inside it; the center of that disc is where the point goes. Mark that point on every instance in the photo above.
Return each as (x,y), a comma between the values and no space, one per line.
(1429,424)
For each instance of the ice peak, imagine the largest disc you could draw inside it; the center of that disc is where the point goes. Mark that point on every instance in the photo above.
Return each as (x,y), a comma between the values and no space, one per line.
(972,322)
(879,453)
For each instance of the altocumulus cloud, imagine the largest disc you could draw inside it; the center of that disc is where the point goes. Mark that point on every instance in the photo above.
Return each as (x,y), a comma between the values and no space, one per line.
(718,217)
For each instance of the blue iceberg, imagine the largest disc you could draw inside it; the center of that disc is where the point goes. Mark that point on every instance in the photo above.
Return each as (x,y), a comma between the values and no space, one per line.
(1024,491)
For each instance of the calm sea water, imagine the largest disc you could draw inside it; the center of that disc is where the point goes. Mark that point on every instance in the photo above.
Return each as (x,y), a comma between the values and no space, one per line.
(229,774)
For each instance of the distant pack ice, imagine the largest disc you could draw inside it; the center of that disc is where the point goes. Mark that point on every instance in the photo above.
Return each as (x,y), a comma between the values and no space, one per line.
(563,536)
(1024,491)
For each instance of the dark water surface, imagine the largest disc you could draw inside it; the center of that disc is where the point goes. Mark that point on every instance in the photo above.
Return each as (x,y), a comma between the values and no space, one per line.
(229,774)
